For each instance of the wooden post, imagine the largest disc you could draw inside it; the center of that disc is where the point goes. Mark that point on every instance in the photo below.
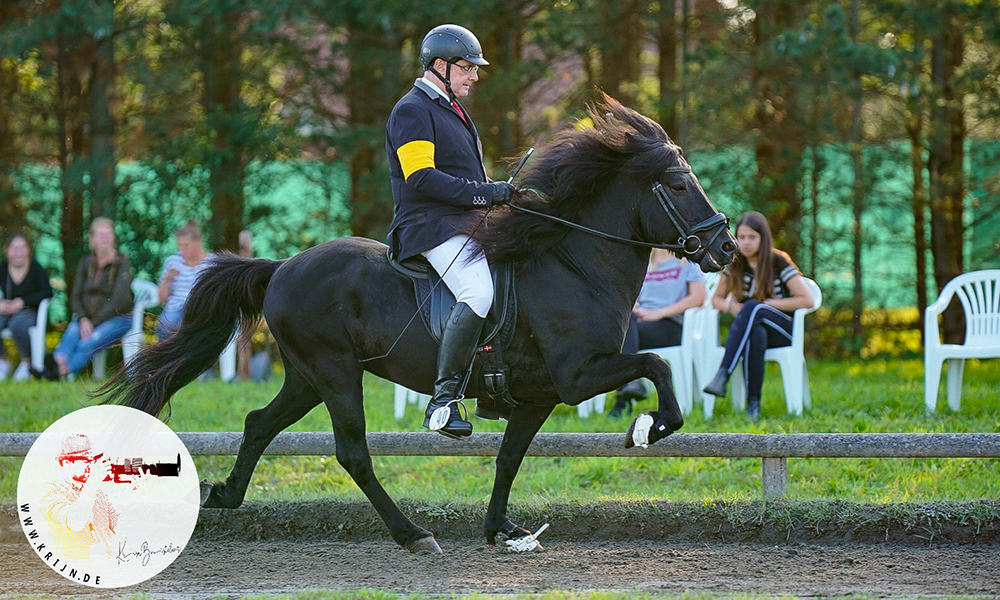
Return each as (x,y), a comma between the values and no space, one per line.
(773,477)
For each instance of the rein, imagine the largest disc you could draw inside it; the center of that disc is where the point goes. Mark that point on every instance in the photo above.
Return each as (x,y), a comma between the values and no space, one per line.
(687,242)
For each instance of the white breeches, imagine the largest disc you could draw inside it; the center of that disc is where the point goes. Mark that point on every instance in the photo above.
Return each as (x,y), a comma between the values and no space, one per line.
(468,276)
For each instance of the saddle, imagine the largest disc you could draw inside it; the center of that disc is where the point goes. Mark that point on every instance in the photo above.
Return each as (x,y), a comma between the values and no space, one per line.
(435,302)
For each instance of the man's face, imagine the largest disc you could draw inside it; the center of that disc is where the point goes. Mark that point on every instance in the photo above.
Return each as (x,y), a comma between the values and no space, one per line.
(463,75)
(75,470)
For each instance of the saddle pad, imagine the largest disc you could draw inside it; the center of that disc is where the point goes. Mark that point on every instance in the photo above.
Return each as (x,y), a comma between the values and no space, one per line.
(435,300)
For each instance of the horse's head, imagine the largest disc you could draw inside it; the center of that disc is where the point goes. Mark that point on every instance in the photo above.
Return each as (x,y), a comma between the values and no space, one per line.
(678,215)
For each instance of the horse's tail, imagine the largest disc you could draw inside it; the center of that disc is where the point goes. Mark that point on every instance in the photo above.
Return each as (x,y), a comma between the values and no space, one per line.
(229,293)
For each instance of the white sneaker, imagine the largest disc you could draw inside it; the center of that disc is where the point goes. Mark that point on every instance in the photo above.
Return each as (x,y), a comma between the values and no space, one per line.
(4,369)
(22,372)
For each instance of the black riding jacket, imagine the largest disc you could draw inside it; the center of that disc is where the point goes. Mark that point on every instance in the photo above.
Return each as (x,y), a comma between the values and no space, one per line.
(436,169)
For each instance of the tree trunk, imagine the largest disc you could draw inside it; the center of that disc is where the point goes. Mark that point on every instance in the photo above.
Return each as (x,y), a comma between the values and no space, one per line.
(779,145)
(12,215)
(914,129)
(621,43)
(221,48)
(857,193)
(945,164)
(497,100)
(71,62)
(372,90)
(670,82)
(102,124)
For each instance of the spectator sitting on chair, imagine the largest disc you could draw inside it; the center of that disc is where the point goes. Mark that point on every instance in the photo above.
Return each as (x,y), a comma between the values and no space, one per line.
(23,285)
(672,285)
(180,272)
(764,287)
(101,301)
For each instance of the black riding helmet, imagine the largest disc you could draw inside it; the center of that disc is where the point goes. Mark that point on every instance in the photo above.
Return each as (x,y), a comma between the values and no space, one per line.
(451,43)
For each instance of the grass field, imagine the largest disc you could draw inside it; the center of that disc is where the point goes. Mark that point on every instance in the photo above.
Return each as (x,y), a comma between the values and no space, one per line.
(868,396)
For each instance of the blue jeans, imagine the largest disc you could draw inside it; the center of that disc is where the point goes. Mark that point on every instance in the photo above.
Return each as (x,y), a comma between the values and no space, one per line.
(78,352)
(19,323)
(169,321)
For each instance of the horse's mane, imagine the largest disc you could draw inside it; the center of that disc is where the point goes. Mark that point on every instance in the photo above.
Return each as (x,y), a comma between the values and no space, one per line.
(571,173)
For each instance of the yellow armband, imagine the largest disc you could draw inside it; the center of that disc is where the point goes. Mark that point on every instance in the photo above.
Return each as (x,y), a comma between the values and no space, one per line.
(415,155)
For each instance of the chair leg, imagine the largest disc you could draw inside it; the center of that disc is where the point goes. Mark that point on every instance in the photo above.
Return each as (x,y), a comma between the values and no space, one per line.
(806,394)
(100,364)
(37,337)
(791,375)
(399,401)
(955,368)
(738,388)
(932,379)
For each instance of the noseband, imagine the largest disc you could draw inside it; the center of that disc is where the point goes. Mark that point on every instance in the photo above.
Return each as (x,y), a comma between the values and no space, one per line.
(688,243)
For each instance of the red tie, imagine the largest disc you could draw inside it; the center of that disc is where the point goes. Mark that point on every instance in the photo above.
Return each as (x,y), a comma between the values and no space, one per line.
(458,108)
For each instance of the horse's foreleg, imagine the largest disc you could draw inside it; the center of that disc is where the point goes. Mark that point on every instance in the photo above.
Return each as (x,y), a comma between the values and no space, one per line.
(294,400)
(525,421)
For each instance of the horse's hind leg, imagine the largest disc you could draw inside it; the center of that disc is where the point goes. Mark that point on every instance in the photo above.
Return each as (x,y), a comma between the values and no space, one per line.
(294,400)
(345,403)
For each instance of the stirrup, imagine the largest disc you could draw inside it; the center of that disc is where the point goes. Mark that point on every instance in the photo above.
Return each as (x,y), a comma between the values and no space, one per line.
(441,416)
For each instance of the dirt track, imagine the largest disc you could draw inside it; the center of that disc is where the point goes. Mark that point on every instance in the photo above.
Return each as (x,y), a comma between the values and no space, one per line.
(225,557)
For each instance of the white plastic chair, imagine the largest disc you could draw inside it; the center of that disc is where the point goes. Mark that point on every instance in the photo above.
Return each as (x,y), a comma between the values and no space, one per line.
(683,359)
(404,395)
(36,333)
(791,359)
(145,296)
(591,406)
(979,294)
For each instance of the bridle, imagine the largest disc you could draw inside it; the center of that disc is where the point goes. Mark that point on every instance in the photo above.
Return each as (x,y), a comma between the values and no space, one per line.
(687,243)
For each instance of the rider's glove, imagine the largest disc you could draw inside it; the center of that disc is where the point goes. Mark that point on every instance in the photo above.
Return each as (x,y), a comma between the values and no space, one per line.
(501,192)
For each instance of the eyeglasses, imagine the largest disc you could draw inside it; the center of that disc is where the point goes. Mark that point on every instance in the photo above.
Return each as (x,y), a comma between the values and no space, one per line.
(468,69)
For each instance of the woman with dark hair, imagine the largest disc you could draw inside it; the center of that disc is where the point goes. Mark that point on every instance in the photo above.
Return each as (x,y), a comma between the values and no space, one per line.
(761,288)
(23,285)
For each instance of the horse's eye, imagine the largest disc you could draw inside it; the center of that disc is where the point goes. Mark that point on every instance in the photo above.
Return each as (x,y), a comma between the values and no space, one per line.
(679,187)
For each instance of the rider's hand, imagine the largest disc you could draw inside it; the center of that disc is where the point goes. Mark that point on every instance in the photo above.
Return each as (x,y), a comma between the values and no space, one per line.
(501,192)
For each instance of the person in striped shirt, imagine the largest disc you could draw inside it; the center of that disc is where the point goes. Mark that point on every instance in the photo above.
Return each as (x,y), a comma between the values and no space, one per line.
(761,288)
(180,272)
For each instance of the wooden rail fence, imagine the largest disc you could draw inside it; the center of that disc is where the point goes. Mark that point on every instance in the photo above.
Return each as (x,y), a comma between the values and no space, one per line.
(773,448)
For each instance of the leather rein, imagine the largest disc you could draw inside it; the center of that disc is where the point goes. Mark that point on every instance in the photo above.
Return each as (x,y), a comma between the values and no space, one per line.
(687,243)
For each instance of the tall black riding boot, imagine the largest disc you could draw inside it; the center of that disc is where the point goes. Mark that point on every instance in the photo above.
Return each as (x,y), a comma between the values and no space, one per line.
(458,348)
(717,387)
(753,407)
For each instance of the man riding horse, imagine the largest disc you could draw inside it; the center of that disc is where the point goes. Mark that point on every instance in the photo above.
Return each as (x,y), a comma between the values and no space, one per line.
(439,186)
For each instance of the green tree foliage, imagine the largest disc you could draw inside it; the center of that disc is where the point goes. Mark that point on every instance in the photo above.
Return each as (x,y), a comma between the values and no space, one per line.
(157,111)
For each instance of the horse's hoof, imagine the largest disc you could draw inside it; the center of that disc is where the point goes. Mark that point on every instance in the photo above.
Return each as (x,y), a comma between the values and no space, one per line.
(205,489)
(646,429)
(521,543)
(424,545)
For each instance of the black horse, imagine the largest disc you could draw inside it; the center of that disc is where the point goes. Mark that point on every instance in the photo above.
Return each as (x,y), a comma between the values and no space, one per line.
(334,307)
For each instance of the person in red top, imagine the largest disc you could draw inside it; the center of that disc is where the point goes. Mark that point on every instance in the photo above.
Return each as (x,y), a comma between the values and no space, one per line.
(762,287)
(440,187)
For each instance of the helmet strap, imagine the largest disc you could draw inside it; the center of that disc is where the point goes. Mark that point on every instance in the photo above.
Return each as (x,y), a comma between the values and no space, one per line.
(446,80)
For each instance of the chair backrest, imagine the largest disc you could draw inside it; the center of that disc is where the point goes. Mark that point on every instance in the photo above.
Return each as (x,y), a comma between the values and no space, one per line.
(799,316)
(979,294)
(694,318)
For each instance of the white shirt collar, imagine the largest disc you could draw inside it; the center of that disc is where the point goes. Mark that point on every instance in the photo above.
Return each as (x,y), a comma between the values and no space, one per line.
(433,86)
